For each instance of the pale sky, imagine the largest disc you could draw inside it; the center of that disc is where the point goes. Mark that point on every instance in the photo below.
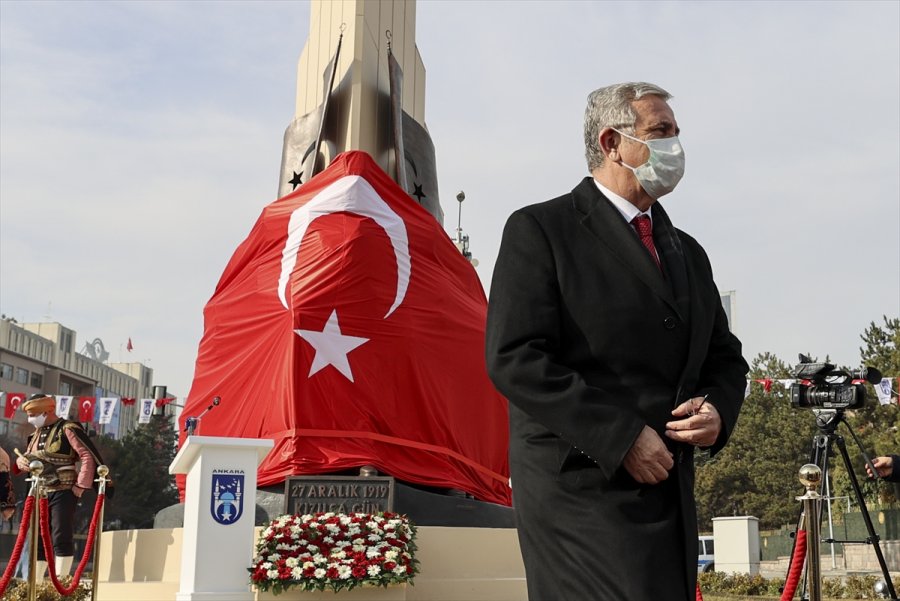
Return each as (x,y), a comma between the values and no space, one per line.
(139,142)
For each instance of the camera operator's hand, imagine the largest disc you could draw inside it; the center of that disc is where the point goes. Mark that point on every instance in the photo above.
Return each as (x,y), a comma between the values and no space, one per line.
(648,460)
(700,426)
(883,465)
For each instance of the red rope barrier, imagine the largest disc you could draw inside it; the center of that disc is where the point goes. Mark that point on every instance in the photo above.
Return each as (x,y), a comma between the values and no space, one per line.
(699,594)
(796,570)
(48,546)
(20,542)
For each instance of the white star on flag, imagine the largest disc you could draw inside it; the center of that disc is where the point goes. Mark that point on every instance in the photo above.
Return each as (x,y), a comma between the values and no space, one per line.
(331,347)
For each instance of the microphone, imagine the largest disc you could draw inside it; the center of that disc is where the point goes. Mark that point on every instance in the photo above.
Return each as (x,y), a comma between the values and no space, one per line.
(192,423)
(870,375)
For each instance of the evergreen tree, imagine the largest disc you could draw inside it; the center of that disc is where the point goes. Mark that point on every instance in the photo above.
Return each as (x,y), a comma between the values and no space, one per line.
(874,424)
(140,469)
(756,473)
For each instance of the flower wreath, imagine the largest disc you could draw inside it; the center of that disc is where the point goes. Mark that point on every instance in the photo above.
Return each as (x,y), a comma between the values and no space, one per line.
(334,551)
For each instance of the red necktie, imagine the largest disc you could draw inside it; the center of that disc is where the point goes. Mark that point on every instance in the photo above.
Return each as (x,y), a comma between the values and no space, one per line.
(645,230)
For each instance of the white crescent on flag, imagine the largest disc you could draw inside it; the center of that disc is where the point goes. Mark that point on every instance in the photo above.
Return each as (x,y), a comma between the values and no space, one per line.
(349,194)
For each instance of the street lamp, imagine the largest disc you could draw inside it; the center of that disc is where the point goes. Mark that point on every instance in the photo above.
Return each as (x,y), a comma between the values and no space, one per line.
(462,240)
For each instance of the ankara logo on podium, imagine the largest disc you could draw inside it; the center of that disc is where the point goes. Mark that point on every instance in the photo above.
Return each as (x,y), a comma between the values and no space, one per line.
(227,503)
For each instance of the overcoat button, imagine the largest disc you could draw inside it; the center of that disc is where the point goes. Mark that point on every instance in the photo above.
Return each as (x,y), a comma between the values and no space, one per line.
(669,323)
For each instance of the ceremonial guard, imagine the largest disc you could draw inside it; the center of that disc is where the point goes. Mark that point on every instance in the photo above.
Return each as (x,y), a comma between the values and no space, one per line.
(7,495)
(70,462)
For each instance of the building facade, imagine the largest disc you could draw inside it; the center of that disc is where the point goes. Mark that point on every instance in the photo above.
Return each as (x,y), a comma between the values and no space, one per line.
(41,357)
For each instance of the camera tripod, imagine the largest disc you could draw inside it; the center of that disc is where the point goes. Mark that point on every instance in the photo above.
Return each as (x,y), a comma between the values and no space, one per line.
(827,420)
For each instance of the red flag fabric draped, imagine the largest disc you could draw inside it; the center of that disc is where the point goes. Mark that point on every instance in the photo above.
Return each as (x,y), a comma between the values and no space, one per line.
(349,329)
(86,408)
(13,400)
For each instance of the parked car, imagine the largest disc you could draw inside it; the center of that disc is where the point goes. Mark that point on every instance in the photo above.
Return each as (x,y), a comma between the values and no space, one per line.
(706,559)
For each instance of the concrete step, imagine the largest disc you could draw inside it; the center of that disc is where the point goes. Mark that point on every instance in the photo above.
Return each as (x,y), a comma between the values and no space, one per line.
(456,564)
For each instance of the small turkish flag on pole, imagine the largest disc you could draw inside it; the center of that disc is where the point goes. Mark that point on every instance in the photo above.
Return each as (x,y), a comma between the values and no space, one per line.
(13,400)
(86,408)
(129,347)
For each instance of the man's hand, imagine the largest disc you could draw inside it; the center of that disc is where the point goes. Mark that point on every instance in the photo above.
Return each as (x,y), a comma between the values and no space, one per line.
(77,491)
(7,512)
(648,460)
(883,465)
(22,463)
(700,424)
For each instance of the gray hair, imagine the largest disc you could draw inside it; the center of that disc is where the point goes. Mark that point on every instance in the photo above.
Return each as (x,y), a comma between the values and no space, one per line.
(611,107)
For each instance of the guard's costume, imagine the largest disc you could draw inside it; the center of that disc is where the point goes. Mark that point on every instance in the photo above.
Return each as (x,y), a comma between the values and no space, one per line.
(7,495)
(70,459)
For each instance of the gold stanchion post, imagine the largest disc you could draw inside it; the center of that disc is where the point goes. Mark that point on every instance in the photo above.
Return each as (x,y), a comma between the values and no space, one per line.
(35,468)
(810,476)
(102,471)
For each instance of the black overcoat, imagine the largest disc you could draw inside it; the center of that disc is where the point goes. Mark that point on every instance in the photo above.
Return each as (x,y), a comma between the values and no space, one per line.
(589,342)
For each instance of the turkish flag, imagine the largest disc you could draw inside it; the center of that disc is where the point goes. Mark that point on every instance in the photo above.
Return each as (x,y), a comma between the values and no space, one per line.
(86,408)
(349,329)
(13,400)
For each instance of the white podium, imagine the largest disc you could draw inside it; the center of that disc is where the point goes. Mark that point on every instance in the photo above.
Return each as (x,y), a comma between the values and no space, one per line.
(219,512)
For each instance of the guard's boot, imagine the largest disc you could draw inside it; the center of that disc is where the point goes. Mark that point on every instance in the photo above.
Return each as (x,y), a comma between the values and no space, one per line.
(63,565)
(40,568)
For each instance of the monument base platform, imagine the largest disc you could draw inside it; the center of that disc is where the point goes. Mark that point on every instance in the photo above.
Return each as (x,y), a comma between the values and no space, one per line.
(424,507)
(457,564)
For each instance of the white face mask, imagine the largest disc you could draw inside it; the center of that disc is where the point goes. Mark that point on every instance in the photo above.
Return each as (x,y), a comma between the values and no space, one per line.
(664,167)
(38,420)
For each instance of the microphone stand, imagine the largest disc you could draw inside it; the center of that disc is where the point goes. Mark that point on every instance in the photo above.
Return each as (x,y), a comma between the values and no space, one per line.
(191,424)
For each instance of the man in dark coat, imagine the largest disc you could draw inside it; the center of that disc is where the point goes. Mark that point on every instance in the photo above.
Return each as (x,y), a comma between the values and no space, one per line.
(607,335)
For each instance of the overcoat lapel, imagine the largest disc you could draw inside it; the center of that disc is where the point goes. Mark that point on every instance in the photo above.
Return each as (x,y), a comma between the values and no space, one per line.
(604,221)
(671,254)
(682,273)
